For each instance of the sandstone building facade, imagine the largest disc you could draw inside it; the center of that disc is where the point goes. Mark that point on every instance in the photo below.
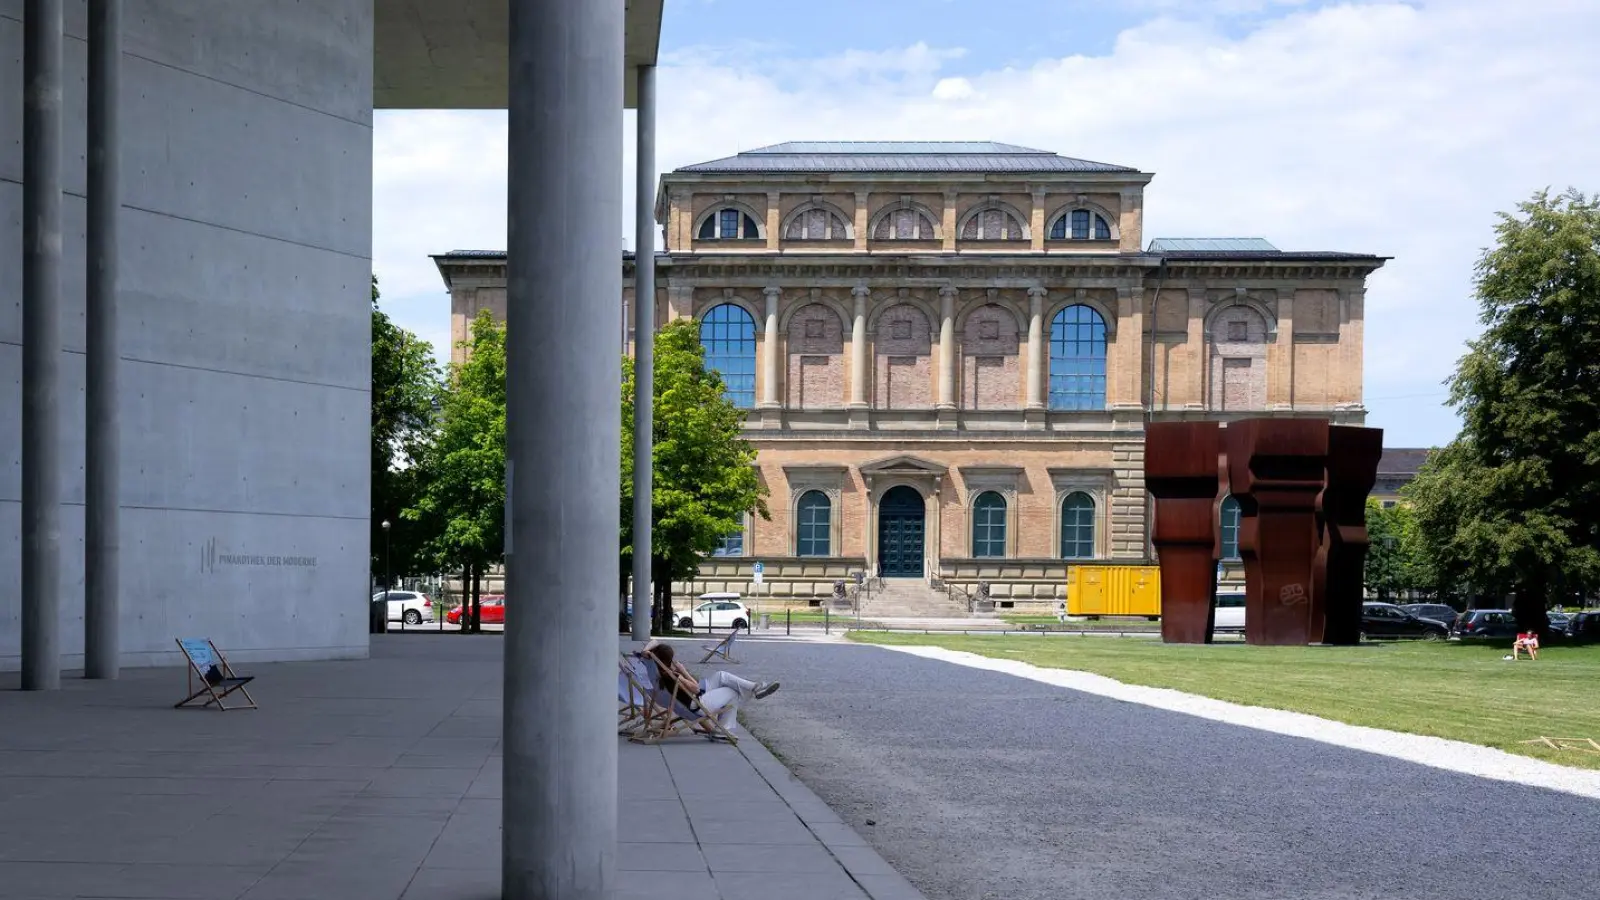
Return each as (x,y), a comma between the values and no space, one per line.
(949,353)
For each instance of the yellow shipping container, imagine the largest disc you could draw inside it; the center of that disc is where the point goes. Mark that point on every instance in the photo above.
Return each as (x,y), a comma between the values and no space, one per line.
(1113,590)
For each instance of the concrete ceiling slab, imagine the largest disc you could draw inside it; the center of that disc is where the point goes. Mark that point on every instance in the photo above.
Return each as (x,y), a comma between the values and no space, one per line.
(452,54)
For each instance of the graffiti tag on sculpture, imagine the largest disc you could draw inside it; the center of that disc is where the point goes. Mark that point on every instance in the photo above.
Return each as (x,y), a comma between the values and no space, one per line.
(210,560)
(1292,595)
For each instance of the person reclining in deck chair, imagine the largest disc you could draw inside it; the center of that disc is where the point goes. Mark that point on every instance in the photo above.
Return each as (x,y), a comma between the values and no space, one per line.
(719,693)
(1527,640)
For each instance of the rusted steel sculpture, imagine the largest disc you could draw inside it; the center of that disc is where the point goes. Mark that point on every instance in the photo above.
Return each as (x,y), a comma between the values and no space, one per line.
(1340,579)
(1276,469)
(1180,471)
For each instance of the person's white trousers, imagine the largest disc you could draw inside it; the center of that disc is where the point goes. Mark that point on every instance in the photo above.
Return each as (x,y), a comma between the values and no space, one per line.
(724,692)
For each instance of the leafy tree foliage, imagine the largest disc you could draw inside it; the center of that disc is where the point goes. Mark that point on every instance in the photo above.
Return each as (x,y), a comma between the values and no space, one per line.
(460,505)
(1510,505)
(405,387)
(705,480)
(1397,560)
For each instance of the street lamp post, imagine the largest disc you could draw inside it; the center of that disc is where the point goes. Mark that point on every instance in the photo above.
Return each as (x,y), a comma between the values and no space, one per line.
(386,570)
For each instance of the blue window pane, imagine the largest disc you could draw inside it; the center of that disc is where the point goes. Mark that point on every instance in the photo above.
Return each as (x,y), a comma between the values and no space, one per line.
(1080,224)
(750,230)
(1230,528)
(1078,359)
(1077,526)
(708,229)
(732,545)
(1058,229)
(1102,231)
(989,526)
(814,518)
(729,336)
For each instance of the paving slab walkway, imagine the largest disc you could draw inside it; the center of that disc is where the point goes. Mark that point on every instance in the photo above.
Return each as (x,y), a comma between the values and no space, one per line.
(371,779)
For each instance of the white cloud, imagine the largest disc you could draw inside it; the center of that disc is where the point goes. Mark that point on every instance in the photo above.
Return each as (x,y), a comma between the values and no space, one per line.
(1392,128)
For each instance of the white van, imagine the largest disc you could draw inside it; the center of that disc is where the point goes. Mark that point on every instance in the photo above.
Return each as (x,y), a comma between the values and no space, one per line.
(1230,611)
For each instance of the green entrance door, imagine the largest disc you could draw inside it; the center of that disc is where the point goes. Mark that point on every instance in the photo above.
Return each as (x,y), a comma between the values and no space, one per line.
(900,529)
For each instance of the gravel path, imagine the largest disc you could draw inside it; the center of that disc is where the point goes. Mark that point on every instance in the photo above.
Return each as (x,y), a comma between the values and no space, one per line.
(981,785)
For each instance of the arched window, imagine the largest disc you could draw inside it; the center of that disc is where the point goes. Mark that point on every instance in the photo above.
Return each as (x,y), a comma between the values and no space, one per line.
(1230,527)
(729,336)
(813,524)
(728,224)
(989,525)
(904,224)
(1077,526)
(993,224)
(1079,225)
(1078,359)
(817,223)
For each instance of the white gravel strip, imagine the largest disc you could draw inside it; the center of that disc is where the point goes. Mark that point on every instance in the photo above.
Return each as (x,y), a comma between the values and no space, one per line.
(1439,753)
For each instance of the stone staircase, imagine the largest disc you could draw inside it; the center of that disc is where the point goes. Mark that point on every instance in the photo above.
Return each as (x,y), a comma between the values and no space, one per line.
(909,598)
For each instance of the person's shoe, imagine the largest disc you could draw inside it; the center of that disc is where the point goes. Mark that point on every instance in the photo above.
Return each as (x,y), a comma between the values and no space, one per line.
(766,690)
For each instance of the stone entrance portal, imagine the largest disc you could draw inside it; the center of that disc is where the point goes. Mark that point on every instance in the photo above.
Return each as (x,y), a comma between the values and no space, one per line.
(901,521)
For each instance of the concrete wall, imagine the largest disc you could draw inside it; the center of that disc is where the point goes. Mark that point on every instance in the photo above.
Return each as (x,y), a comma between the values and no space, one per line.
(245,385)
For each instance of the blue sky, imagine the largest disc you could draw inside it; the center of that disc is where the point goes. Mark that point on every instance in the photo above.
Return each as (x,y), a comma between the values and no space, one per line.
(1395,128)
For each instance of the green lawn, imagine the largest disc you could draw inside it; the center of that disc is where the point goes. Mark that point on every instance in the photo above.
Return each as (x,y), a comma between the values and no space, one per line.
(1459,690)
(1118,623)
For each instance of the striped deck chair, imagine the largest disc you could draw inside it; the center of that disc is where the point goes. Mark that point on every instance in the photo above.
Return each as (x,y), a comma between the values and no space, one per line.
(633,697)
(666,716)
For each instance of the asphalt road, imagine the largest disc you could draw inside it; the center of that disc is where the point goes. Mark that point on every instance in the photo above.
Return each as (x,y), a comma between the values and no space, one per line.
(979,785)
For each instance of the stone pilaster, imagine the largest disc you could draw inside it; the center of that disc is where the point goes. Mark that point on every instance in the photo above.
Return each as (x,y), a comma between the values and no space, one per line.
(770,357)
(862,220)
(1128,501)
(1280,357)
(948,221)
(860,358)
(774,223)
(1038,364)
(1125,380)
(947,356)
(1036,221)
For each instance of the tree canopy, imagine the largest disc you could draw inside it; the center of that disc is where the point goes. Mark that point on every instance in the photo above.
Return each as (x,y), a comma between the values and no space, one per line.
(1509,505)
(705,479)
(405,387)
(1397,561)
(461,502)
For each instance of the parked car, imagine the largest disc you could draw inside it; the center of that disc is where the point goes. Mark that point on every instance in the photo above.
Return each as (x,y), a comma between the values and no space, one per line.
(410,607)
(1385,620)
(717,611)
(1230,612)
(1559,621)
(1486,623)
(1584,626)
(1439,612)
(491,610)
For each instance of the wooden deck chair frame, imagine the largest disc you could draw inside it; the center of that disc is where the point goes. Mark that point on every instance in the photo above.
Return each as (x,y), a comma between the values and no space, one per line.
(633,697)
(666,717)
(229,682)
(722,648)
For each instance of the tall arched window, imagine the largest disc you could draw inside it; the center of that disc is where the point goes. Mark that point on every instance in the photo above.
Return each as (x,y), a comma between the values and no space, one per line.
(989,525)
(728,224)
(1079,225)
(813,524)
(1230,527)
(1077,526)
(729,336)
(1077,359)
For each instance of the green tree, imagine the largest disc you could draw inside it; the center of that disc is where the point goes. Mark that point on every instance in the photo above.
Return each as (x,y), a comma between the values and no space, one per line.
(705,480)
(1397,561)
(405,388)
(1509,505)
(461,497)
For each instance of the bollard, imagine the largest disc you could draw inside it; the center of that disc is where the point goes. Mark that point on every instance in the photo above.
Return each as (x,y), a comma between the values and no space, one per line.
(827,619)
(788,622)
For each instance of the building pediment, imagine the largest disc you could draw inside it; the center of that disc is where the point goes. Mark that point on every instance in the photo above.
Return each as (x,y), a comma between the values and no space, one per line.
(903,465)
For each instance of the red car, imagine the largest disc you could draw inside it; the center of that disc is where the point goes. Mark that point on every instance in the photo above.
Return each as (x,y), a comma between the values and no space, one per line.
(491,611)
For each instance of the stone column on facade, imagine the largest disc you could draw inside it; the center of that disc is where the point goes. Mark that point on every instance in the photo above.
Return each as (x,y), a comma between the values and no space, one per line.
(862,221)
(1036,229)
(1130,223)
(860,359)
(1128,505)
(1038,367)
(1280,357)
(1349,355)
(1199,350)
(771,360)
(680,301)
(1127,375)
(774,222)
(947,356)
(947,218)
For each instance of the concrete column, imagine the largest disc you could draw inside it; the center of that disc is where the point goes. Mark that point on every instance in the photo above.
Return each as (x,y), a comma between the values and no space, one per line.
(41,345)
(1036,350)
(770,355)
(644,327)
(947,347)
(860,360)
(564,124)
(102,506)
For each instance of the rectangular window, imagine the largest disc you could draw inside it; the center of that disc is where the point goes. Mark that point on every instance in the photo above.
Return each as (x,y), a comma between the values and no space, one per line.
(732,545)
(730,224)
(1080,225)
